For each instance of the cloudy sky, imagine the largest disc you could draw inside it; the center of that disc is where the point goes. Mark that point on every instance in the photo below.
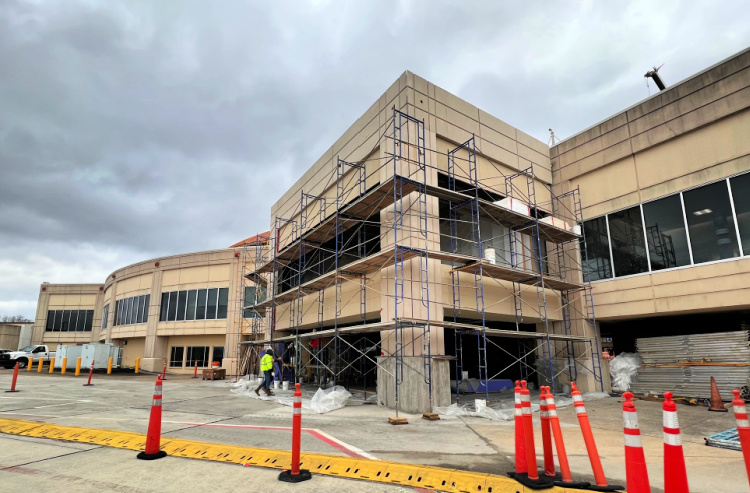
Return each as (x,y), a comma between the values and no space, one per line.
(135,129)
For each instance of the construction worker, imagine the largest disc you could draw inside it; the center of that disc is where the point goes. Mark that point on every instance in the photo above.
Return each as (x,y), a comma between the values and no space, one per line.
(266,366)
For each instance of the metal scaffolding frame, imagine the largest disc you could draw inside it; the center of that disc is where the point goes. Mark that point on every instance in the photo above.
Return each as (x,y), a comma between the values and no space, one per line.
(325,249)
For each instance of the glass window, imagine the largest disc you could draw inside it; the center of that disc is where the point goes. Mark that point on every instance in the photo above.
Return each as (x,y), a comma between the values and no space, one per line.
(80,315)
(125,311)
(164,306)
(190,315)
(89,320)
(211,304)
(50,320)
(741,195)
(595,251)
(118,307)
(138,317)
(146,306)
(665,233)
(628,245)
(223,302)
(709,217)
(65,326)
(58,320)
(197,354)
(200,311)
(175,356)
(218,354)
(172,306)
(131,310)
(105,316)
(181,303)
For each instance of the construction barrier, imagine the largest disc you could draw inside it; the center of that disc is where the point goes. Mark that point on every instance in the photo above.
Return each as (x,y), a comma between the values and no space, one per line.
(91,373)
(675,474)
(296,475)
(743,428)
(153,435)
(52,365)
(15,378)
(531,477)
(29,364)
(566,479)
(78,366)
(520,440)
(109,366)
(588,439)
(636,472)
(64,366)
(549,460)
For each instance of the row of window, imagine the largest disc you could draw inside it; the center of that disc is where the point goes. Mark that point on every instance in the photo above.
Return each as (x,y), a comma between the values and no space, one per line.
(69,320)
(133,310)
(704,224)
(194,304)
(199,355)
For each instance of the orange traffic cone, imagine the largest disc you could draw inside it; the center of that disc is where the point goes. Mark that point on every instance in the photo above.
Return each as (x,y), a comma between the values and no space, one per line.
(675,473)
(531,478)
(743,428)
(635,460)
(716,404)
(549,460)
(566,480)
(520,441)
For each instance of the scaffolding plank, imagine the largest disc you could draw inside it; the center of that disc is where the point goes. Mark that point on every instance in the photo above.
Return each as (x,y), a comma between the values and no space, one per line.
(523,276)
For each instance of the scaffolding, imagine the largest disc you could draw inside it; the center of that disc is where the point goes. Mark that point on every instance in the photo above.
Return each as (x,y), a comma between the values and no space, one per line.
(381,226)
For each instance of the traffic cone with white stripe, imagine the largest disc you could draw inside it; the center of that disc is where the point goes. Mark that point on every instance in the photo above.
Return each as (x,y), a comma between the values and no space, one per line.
(520,440)
(549,459)
(531,477)
(675,473)
(296,475)
(566,479)
(588,438)
(743,428)
(153,436)
(635,460)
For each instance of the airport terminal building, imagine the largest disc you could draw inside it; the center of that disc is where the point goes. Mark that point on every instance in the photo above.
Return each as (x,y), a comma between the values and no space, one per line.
(436,247)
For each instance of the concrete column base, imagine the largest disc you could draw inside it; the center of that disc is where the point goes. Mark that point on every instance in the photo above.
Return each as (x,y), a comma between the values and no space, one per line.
(152,364)
(230,364)
(413,392)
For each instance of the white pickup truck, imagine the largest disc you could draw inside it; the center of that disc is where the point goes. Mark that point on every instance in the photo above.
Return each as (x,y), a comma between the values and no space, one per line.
(22,356)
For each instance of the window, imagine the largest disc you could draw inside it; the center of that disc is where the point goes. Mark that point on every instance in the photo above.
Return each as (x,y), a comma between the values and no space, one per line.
(218,354)
(628,245)
(710,223)
(221,311)
(665,233)
(595,250)
(172,312)
(190,315)
(105,316)
(741,194)
(133,310)
(164,307)
(250,293)
(200,311)
(175,356)
(199,354)
(211,303)
(181,304)
(69,320)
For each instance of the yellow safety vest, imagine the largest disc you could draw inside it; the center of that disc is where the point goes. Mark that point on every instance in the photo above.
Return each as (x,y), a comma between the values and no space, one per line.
(266,362)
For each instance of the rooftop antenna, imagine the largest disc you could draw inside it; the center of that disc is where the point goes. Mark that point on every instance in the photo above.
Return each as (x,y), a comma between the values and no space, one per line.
(552,139)
(654,74)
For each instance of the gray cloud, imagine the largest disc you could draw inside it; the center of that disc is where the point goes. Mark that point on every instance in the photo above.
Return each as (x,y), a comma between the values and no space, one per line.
(131,130)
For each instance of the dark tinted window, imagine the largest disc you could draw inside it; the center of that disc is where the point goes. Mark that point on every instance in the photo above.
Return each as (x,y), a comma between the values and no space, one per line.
(741,196)
(628,245)
(190,315)
(665,233)
(223,302)
(172,306)
(81,320)
(65,327)
(211,303)
(218,354)
(175,356)
(709,217)
(164,306)
(200,311)
(50,320)
(181,303)
(595,250)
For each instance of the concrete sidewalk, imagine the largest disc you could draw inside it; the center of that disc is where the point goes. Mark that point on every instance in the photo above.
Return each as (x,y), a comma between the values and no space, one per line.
(208,411)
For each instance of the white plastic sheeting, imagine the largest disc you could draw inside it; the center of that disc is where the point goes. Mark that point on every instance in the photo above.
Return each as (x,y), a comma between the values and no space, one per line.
(623,369)
(320,401)
(503,408)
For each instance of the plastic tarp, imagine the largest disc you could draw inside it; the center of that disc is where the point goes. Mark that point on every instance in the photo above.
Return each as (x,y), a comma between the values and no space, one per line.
(320,401)
(623,369)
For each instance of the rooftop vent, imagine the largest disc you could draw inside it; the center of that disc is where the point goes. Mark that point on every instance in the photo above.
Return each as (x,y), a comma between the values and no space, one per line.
(654,74)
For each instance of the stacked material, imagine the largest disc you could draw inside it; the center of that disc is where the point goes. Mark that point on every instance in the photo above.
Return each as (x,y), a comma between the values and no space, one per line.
(685,364)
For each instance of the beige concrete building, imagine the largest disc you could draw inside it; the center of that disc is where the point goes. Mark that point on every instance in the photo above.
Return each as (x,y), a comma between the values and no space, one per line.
(434,246)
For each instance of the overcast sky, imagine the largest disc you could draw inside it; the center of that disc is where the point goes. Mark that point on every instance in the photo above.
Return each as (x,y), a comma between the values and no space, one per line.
(134,129)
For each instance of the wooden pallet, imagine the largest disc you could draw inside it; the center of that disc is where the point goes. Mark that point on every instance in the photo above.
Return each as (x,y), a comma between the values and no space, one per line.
(431,416)
(398,421)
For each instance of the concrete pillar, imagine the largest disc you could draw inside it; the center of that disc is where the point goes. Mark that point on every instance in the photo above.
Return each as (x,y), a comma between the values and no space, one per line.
(155,351)
(413,391)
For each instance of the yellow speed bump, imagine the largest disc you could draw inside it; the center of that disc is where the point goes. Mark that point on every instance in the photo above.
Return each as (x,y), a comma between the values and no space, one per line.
(449,480)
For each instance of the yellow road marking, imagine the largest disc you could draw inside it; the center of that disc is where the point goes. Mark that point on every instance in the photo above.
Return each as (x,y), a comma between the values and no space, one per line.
(450,480)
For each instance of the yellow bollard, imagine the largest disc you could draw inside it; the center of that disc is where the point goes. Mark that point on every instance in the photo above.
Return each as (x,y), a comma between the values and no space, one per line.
(78,366)
(29,364)
(52,365)
(41,364)
(109,367)
(64,366)
(137,364)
